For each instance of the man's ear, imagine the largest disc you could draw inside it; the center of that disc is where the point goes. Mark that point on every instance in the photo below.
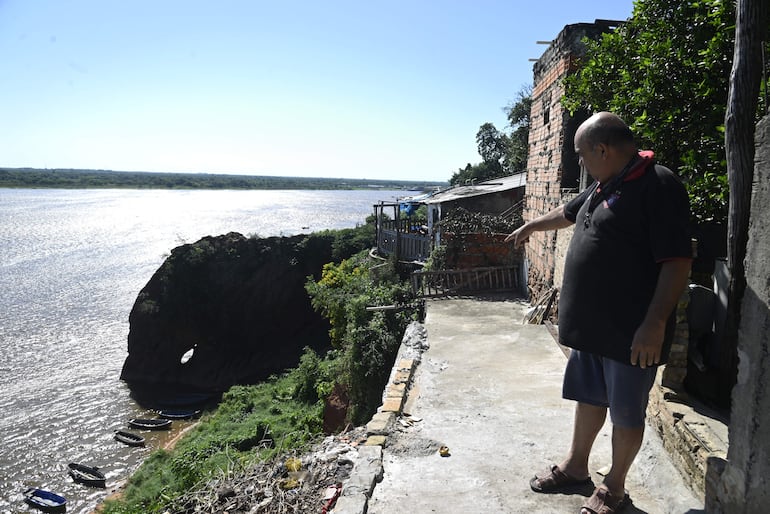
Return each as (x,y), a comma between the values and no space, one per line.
(603,150)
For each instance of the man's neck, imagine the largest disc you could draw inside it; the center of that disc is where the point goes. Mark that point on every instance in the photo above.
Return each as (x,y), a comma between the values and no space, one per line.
(621,167)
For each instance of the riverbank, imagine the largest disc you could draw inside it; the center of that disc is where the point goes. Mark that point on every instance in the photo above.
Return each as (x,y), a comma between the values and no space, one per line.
(116,491)
(306,480)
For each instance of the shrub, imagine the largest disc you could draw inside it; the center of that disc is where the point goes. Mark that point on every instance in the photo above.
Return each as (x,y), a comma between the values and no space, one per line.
(367,340)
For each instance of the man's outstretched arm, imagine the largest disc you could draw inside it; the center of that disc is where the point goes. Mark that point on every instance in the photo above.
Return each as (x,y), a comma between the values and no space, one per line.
(552,220)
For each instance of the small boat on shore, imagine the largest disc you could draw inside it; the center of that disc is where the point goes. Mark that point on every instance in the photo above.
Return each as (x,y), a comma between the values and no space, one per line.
(179,414)
(87,475)
(129,438)
(150,424)
(45,500)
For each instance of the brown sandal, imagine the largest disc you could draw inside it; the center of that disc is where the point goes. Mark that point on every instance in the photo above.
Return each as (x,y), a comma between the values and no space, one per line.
(554,480)
(603,502)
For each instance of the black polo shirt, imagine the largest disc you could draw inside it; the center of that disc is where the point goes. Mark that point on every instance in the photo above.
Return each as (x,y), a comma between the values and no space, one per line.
(614,258)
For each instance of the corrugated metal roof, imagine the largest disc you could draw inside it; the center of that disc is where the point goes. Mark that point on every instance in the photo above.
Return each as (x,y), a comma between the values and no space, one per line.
(495,185)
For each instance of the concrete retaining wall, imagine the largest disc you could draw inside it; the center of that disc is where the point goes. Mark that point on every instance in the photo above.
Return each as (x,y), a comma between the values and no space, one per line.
(744,484)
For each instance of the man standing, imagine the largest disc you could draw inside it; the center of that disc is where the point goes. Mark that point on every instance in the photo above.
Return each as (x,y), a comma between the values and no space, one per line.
(627,264)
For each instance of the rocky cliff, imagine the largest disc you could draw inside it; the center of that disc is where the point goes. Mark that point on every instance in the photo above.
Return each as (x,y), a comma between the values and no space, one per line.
(238,303)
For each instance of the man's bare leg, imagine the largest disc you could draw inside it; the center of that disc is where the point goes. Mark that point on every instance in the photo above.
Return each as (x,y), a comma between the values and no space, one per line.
(625,445)
(589,420)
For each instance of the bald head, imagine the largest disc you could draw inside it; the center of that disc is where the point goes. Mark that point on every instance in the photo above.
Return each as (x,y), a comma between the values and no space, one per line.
(604,145)
(605,128)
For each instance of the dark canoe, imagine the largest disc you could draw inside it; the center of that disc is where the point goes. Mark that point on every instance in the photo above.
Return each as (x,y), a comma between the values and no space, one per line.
(45,500)
(179,414)
(150,424)
(87,475)
(129,438)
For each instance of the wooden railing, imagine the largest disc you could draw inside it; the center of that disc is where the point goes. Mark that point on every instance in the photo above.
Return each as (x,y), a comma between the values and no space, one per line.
(427,284)
(406,247)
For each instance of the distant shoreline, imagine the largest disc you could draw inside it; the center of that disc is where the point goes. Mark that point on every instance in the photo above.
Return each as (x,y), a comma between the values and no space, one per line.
(33,178)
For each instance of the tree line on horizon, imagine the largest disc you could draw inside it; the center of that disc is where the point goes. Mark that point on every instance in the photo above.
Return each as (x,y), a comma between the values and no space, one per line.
(106,179)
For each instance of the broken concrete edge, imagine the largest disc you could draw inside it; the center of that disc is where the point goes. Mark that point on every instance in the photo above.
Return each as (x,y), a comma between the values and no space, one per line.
(700,456)
(353,504)
(368,469)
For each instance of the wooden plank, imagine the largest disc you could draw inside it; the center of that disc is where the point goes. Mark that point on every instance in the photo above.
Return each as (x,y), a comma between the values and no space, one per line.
(387,307)
(483,279)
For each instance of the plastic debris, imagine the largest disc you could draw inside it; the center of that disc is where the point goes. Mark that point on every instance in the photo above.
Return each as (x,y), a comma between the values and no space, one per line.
(332,493)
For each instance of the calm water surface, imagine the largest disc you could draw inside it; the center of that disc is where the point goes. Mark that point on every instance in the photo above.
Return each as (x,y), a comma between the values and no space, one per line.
(71,266)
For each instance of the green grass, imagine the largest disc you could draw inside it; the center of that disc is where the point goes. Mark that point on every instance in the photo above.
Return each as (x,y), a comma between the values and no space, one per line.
(252,423)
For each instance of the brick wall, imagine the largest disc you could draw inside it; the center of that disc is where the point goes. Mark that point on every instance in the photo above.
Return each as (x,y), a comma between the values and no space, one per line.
(478,250)
(551,165)
(544,168)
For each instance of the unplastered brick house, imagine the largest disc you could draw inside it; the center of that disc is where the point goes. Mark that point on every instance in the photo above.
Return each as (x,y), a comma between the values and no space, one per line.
(553,174)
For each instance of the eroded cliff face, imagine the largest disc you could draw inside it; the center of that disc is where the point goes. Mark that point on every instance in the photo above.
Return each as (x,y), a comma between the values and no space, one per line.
(239,303)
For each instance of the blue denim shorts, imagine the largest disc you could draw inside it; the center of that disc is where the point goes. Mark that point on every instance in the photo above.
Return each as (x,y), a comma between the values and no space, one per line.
(604,382)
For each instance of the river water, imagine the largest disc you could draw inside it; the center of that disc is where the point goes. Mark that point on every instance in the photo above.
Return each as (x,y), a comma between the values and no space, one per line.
(71,265)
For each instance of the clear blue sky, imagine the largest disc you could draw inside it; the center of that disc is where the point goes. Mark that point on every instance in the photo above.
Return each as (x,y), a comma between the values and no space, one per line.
(354,89)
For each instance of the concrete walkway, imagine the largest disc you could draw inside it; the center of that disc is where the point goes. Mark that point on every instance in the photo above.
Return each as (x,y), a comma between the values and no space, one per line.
(489,389)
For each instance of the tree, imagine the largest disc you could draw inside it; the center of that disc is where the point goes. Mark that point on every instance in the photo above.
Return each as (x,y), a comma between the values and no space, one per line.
(666,72)
(740,119)
(501,153)
(515,159)
(476,173)
(491,143)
